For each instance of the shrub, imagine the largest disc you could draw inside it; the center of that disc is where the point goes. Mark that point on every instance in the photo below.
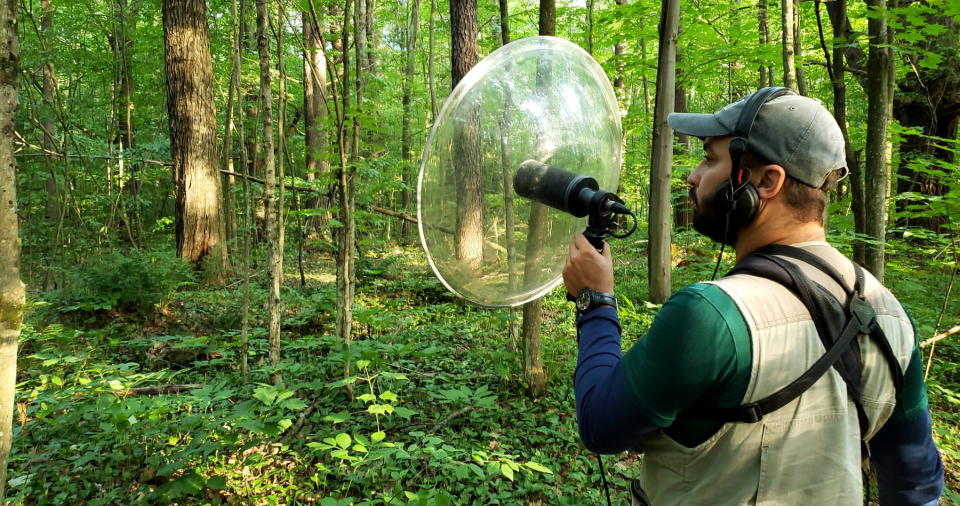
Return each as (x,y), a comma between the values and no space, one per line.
(132,281)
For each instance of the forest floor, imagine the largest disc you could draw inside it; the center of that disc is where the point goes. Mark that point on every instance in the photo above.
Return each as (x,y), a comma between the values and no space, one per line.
(439,413)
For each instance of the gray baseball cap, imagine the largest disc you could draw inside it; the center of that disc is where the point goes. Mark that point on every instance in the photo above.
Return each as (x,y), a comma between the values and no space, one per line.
(796,132)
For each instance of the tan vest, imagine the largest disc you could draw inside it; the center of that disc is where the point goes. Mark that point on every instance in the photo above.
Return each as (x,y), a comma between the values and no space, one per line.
(808,452)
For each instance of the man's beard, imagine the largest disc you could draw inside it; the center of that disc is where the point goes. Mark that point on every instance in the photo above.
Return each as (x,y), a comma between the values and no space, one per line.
(711,217)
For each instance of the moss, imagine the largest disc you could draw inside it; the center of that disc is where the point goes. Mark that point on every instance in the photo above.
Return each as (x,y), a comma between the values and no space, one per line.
(11,316)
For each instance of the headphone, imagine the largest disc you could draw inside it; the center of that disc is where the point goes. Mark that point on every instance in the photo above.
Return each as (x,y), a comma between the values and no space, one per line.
(738,194)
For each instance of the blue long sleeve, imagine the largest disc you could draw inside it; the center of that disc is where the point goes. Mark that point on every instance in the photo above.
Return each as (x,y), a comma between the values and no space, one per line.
(909,471)
(609,420)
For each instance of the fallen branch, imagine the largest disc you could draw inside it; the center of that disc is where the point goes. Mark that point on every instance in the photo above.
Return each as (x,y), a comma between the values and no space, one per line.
(940,337)
(300,420)
(157,390)
(451,416)
(445,230)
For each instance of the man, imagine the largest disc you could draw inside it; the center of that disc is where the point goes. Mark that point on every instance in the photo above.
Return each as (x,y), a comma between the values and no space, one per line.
(715,347)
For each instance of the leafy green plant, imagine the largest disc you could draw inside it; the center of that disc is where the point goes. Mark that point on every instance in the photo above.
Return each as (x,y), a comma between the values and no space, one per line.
(133,281)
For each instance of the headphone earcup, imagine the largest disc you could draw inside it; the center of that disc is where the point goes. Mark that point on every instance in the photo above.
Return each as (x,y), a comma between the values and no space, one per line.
(742,204)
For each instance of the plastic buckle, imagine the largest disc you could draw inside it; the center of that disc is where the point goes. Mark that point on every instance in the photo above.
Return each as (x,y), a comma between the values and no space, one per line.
(863,312)
(752,413)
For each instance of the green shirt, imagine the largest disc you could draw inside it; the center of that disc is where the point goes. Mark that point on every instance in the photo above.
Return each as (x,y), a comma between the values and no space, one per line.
(697,354)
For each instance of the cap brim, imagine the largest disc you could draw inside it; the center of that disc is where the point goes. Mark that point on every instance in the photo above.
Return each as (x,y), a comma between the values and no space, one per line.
(697,125)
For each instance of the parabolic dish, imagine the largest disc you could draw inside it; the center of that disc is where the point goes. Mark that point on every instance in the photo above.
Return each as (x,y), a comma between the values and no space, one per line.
(540,98)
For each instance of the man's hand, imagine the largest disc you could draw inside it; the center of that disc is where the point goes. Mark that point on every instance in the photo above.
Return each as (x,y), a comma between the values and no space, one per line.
(586,268)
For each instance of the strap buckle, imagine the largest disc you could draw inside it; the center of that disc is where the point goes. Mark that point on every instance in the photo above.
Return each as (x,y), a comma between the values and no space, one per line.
(751,413)
(864,313)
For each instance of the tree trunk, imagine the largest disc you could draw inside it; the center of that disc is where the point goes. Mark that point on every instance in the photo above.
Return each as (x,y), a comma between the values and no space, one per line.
(11,288)
(406,150)
(275,220)
(193,138)
(619,50)
(468,239)
(125,38)
(798,49)
(50,144)
(314,102)
(658,256)
(837,78)
(230,127)
(506,171)
(430,72)
(590,8)
(533,371)
(644,80)
(789,64)
(766,73)
(371,36)
(275,254)
(879,100)
(345,180)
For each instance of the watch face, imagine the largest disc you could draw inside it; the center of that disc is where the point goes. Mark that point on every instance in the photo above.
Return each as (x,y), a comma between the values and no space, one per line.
(583,301)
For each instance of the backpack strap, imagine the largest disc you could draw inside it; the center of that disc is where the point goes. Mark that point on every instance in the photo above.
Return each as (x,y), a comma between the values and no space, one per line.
(843,350)
(861,321)
(878,336)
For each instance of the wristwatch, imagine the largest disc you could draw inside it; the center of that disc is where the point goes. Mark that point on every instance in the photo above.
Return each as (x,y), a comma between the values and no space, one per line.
(590,299)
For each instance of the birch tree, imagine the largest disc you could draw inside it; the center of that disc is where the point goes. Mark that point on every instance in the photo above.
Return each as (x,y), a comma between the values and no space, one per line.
(11,288)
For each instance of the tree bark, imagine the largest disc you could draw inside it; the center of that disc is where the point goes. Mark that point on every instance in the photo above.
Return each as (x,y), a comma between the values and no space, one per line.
(789,64)
(619,51)
(798,49)
(371,36)
(275,254)
(346,253)
(11,287)
(430,71)
(533,371)
(193,136)
(590,9)
(468,240)
(50,144)
(314,102)
(659,254)
(506,172)
(766,73)
(406,150)
(879,100)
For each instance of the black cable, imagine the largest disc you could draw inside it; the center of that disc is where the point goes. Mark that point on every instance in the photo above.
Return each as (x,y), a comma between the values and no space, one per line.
(723,244)
(603,477)
(631,231)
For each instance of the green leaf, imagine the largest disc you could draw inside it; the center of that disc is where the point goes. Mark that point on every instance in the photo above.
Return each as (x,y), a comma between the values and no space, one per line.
(337,417)
(115,385)
(507,471)
(359,448)
(538,467)
(349,380)
(343,440)
(389,396)
(217,483)
(404,412)
(367,397)
(378,436)
(362,364)
(294,404)
(265,394)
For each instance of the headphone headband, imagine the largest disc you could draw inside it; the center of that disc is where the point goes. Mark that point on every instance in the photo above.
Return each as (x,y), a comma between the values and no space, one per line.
(749,114)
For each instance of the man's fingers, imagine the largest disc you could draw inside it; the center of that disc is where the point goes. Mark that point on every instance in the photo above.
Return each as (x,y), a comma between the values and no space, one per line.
(606,250)
(581,241)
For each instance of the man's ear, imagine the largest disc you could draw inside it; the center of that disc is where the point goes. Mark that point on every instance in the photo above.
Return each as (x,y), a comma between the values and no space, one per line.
(769,180)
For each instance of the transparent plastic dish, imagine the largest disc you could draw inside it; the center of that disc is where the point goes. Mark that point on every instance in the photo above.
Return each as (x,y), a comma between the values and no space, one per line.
(540,98)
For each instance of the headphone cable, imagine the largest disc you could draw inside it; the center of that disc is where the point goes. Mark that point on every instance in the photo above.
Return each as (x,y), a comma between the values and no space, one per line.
(723,244)
(603,478)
